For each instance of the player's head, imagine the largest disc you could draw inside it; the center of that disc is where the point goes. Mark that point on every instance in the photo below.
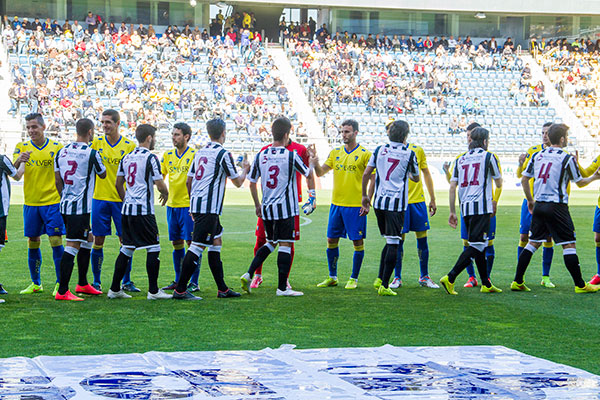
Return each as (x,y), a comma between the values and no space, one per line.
(145,134)
(470,128)
(545,128)
(558,135)
(35,126)
(181,135)
(349,131)
(216,129)
(398,131)
(85,129)
(280,129)
(479,138)
(110,121)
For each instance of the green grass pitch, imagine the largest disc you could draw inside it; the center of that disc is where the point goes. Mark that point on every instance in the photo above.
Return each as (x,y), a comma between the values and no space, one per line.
(554,324)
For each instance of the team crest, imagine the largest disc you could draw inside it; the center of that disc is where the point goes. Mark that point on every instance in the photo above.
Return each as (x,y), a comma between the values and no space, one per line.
(122,152)
(355,158)
(52,154)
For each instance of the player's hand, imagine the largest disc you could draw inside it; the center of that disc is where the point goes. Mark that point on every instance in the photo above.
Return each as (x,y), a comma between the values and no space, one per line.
(311,203)
(162,199)
(597,174)
(494,207)
(446,166)
(432,208)
(312,154)
(245,164)
(530,205)
(24,157)
(522,159)
(577,156)
(191,215)
(366,206)
(453,220)
(258,210)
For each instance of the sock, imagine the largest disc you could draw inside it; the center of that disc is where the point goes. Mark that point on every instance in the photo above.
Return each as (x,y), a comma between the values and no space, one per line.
(152,267)
(260,257)
(34,260)
(423,250)
(523,263)
(178,255)
(284,261)
(333,253)
(572,264)
(547,254)
(390,263)
(522,245)
(83,264)
(598,257)
(216,267)
(490,254)
(399,257)
(481,264)
(291,261)
(260,242)
(470,269)
(196,275)
(382,262)
(66,268)
(464,260)
(191,263)
(127,275)
(357,259)
(97,257)
(57,253)
(120,267)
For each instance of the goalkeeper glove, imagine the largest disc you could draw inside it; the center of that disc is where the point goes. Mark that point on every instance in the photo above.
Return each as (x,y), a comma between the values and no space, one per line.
(311,203)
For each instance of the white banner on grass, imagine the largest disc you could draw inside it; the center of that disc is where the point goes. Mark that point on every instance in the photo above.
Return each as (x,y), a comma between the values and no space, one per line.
(388,372)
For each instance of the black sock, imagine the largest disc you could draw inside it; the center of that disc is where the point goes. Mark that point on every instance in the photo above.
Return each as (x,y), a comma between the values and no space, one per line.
(189,265)
(259,259)
(489,260)
(120,267)
(152,267)
(83,264)
(66,268)
(284,263)
(522,264)
(481,264)
(389,263)
(216,268)
(572,264)
(382,262)
(463,262)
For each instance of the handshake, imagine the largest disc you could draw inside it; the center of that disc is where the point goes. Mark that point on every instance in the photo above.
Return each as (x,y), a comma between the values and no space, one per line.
(311,203)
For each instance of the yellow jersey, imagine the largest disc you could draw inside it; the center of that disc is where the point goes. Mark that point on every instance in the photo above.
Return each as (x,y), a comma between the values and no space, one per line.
(590,171)
(533,150)
(111,157)
(177,168)
(39,188)
(348,169)
(415,189)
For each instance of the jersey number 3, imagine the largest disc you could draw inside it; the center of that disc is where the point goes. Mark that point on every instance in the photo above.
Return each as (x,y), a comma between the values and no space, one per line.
(273,174)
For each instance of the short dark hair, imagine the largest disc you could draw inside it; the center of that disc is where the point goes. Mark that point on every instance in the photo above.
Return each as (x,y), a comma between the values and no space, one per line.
(398,131)
(83,126)
(113,114)
(351,122)
(547,124)
(472,126)
(143,131)
(280,127)
(184,128)
(478,136)
(215,128)
(35,116)
(557,131)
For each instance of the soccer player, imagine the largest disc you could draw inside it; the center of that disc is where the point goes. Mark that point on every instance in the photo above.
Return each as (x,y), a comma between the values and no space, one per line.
(416,220)
(75,170)
(552,169)
(41,212)
(596,227)
(106,203)
(473,174)
(394,163)
(6,169)
(206,181)
(140,171)
(176,163)
(276,167)
(308,208)
(548,250)
(348,163)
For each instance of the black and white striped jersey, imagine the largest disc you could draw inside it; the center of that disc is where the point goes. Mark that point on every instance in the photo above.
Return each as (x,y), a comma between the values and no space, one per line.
(393,162)
(552,169)
(473,172)
(210,169)
(78,165)
(6,169)
(140,168)
(276,167)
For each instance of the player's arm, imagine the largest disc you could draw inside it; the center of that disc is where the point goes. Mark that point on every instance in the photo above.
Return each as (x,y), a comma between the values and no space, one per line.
(367,192)
(120,185)
(589,171)
(188,185)
(11,171)
(100,169)
(257,205)
(163,190)
(453,219)
(446,168)
(22,158)
(522,163)
(239,180)
(58,182)
(320,170)
(429,183)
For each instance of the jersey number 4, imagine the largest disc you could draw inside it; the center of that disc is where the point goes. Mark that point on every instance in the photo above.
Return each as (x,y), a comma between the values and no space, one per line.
(474,181)
(545,172)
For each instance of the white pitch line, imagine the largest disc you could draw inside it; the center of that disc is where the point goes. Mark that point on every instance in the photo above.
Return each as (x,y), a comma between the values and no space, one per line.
(305,221)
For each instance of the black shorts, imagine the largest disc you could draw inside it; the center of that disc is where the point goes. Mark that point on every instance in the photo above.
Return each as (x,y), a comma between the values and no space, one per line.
(207,227)
(478,227)
(2,231)
(551,219)
(77,227)
(391,223)
(139,231)
(280,230)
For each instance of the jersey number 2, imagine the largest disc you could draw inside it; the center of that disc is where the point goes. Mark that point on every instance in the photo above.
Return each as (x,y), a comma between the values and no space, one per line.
(73,165)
